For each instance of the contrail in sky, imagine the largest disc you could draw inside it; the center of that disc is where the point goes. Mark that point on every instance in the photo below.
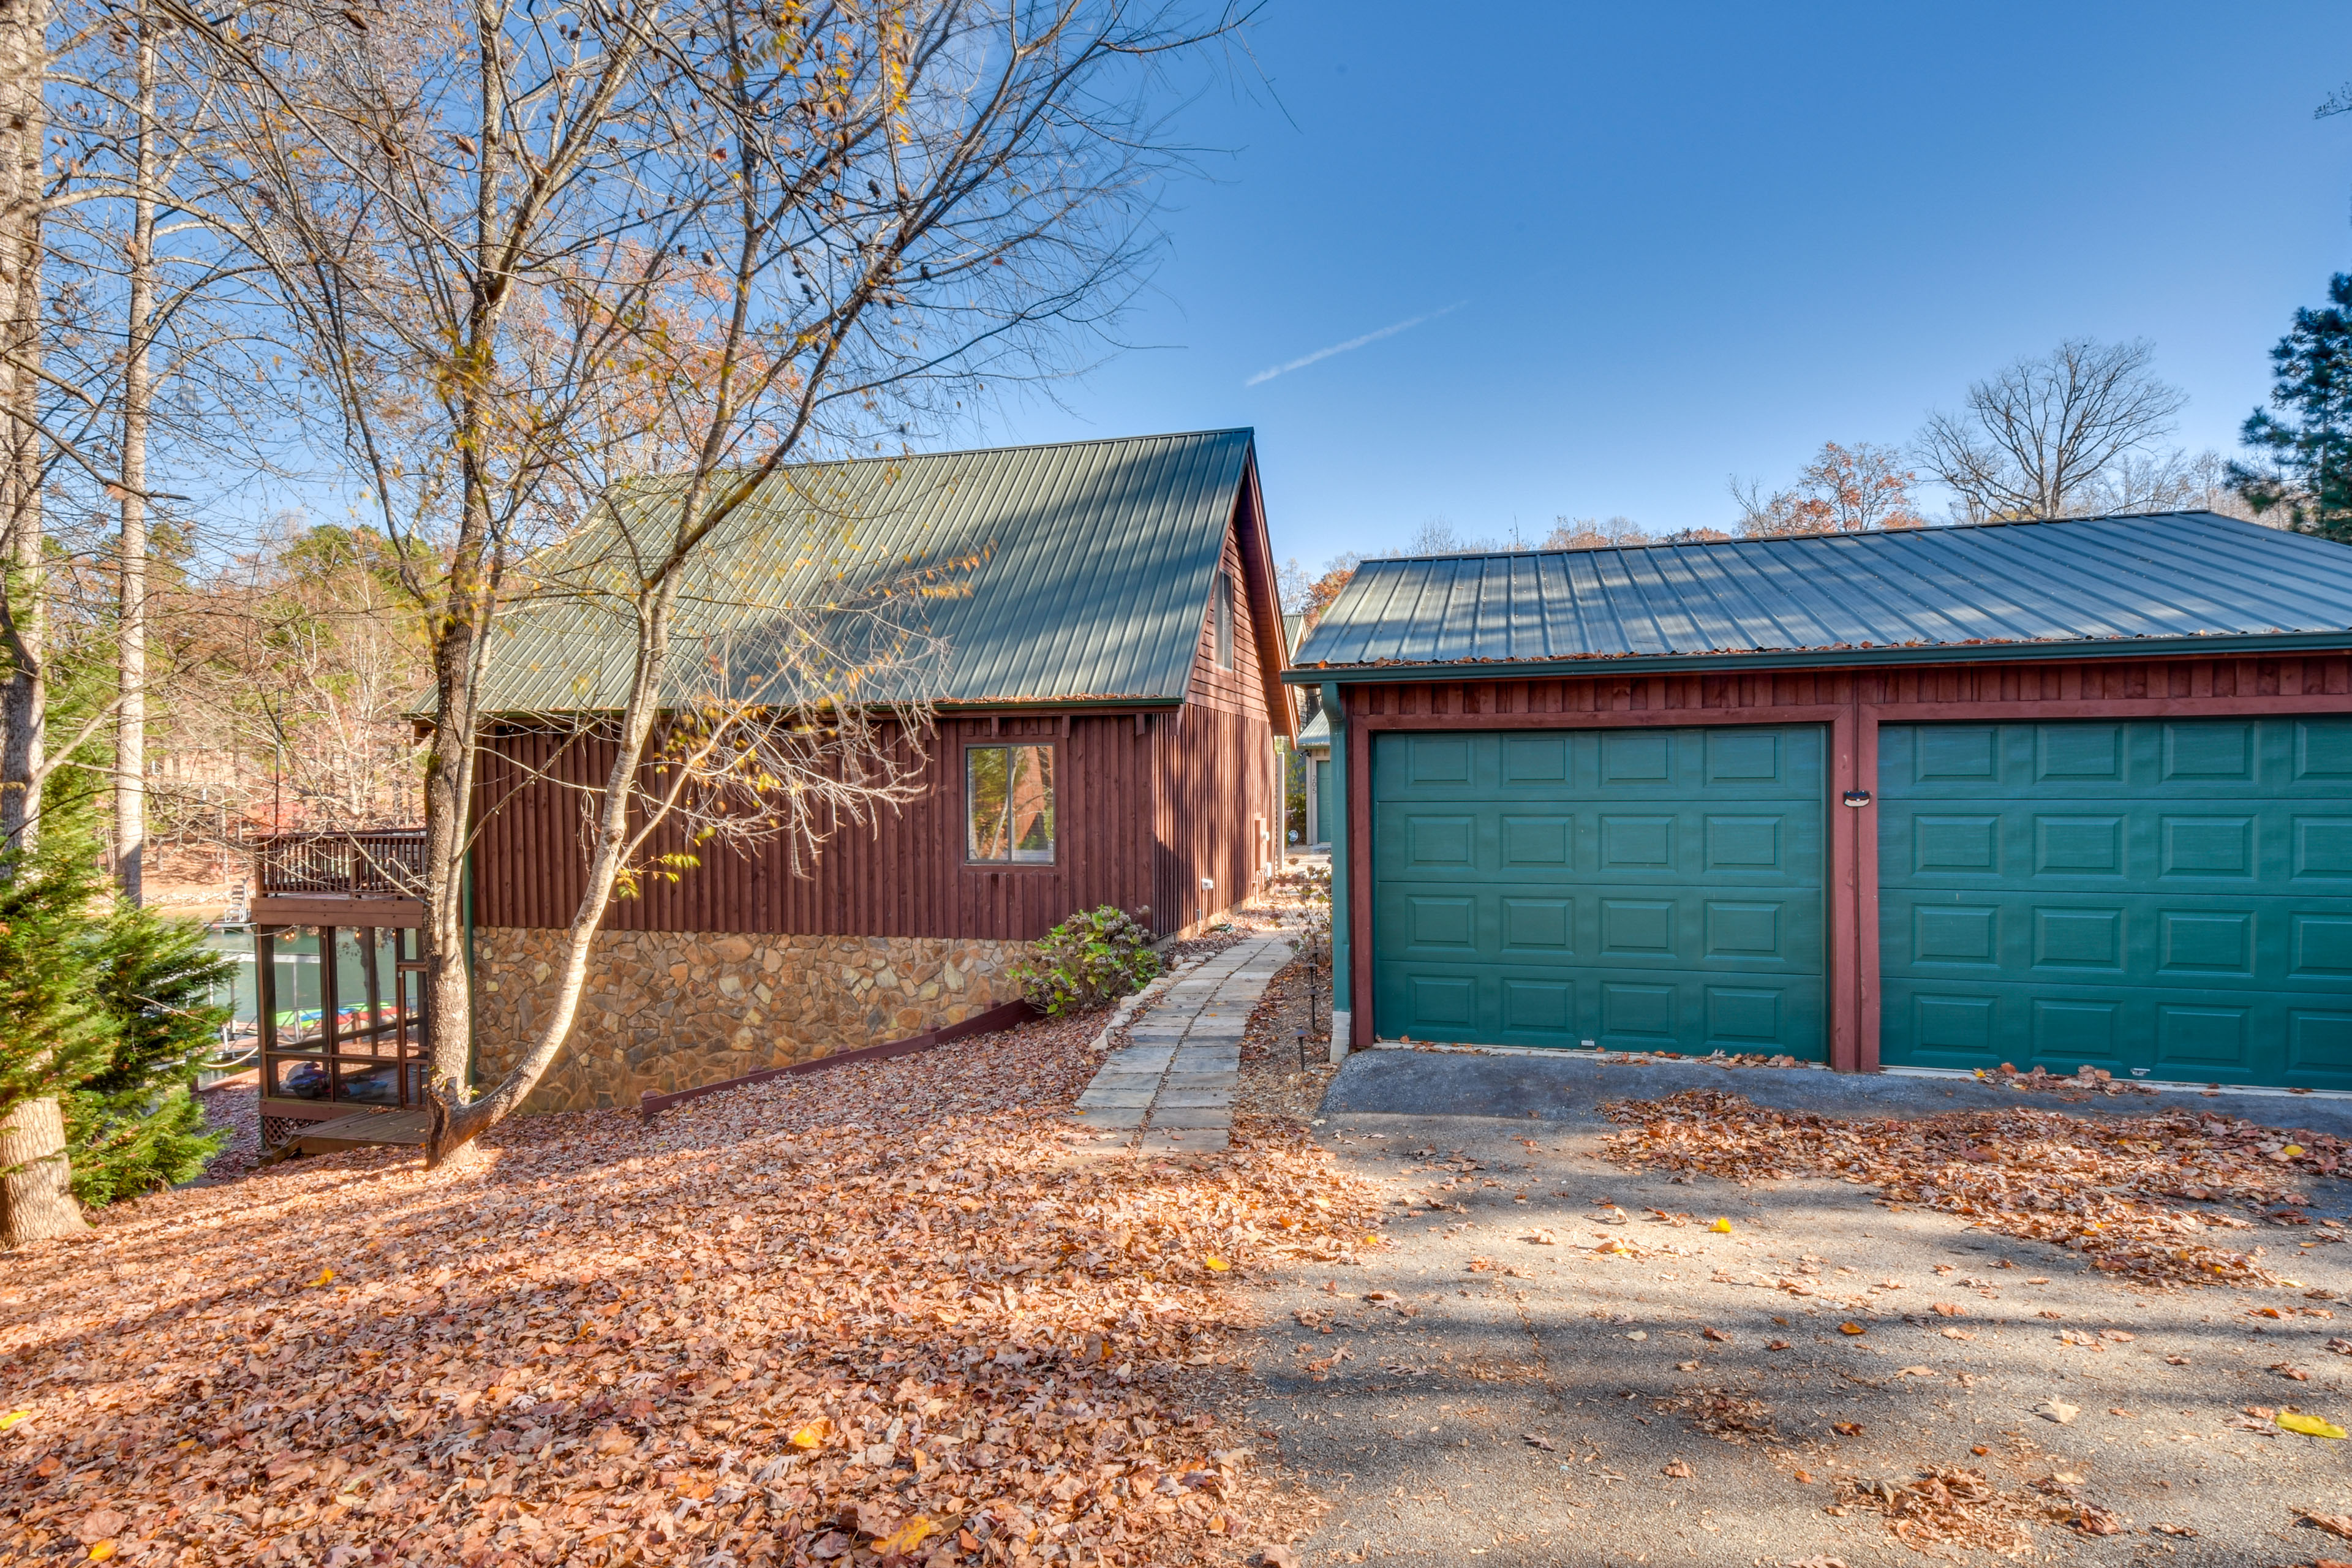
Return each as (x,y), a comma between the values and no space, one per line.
(1302,363)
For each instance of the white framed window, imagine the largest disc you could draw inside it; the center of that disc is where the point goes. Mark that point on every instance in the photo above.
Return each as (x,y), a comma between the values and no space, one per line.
(1224,619)
(1009,804)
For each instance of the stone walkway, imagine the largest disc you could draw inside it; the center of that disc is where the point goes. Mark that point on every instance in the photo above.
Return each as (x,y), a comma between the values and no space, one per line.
(1172,1086)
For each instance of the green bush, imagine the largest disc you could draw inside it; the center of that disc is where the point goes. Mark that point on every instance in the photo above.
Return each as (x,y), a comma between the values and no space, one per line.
(137,1125)
(111,1011)
(1089,960)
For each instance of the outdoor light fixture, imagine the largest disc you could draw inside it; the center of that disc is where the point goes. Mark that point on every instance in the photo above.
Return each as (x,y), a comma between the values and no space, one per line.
(1857,798)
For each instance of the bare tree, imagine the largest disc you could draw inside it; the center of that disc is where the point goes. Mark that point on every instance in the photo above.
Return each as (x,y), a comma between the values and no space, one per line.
(1861,488)
(1589,533)
(2036,440)
(539,255)
(2176,480)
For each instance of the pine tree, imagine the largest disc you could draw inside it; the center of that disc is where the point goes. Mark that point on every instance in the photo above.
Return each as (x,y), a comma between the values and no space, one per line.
(137,1125)
(54,1032)
(2308,443)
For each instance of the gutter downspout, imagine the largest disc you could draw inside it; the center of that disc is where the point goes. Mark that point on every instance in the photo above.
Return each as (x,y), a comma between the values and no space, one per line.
(1337,831)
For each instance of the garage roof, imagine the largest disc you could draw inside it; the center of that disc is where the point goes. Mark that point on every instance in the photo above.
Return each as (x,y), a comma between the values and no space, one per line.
(2093,585)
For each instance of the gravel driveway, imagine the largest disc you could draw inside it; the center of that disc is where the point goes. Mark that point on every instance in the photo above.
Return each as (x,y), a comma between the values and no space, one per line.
(1470,1393)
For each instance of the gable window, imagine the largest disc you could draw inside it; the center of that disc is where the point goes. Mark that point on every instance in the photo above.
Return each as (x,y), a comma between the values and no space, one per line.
(1224,616)
(1008,803)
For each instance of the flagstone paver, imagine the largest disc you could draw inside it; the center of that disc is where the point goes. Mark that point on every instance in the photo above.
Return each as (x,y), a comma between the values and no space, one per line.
(1169,1090)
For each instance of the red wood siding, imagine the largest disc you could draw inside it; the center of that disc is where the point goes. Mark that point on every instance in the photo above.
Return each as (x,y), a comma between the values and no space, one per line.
(1242,689)
(904,875)
(1216,782)
(1853,704)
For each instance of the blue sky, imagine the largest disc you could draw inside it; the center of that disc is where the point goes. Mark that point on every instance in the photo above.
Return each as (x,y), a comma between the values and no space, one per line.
(1672,243)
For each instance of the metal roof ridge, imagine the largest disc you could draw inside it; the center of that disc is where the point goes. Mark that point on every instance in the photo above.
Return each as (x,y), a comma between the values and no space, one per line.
(1249,430)
(1827,536)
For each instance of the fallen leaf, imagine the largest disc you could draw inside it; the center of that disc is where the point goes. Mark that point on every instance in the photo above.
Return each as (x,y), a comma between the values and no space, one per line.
(1852,1328)
(2091,1519)
(906,1538)
(813,1435)
(1846,1428)
(1676,1468)
(1638,1334)
(2310,1425)
(2179,1530)
(2057,1410)
(2176,1361)
(1544,1238)
(1806,1477)
(99,1552)
(1778,1346)
(12,1418)
(1218,1263)
(101,1526)
(1721,1226)
(1917,1371)
(1538,1440)
(1958,1334)
(326,1277)
(2334,1524)
(1717,1335)
(1277,1557)
(1948,1309)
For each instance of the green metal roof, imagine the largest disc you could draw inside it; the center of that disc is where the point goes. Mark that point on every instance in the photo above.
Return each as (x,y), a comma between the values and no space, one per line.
(1058,573)
(2160,583)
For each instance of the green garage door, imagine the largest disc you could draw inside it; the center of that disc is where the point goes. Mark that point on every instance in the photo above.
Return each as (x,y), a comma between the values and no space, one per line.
(1637,889)
(2171,897)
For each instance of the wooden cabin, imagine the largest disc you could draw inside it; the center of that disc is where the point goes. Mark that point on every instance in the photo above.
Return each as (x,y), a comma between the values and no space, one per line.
(1104,733)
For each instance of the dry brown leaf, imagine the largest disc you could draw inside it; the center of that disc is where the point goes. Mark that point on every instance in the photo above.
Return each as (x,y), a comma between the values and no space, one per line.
(2334,1524)
(1678,1469)
(849,1302)
(2109,1189)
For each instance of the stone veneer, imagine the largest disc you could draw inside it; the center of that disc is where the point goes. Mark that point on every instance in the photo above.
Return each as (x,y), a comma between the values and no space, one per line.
(669,1010)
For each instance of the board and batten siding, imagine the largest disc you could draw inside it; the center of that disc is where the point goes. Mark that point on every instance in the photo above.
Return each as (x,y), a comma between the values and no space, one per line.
(1852,703)
(902,873)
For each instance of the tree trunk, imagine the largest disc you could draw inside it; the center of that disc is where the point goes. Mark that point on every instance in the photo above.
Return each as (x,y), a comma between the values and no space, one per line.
(37,1197)
(448,786)
(36,1202)
(138,391)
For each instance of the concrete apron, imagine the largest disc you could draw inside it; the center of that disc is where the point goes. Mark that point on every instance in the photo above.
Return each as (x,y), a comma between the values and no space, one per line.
(1521,1085)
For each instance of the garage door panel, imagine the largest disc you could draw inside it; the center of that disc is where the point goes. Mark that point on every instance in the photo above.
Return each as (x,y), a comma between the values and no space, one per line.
(1642,889)
(2323,848)
(2319,1041)
(2160,896)
(2323,750)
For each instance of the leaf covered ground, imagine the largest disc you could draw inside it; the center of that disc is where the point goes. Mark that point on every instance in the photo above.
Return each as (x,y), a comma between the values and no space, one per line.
(890,1312)
(2118,1190)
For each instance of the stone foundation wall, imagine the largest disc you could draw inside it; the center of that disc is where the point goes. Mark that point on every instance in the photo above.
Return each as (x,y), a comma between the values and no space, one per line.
(670,1010)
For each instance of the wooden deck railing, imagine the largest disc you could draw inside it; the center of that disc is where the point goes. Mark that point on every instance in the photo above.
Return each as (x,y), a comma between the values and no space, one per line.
(375,862)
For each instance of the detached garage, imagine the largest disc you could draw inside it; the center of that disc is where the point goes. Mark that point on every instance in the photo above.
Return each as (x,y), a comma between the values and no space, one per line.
(2054,793)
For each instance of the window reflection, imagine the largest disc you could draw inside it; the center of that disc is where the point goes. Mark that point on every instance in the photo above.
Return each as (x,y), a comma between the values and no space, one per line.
(1008,803)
